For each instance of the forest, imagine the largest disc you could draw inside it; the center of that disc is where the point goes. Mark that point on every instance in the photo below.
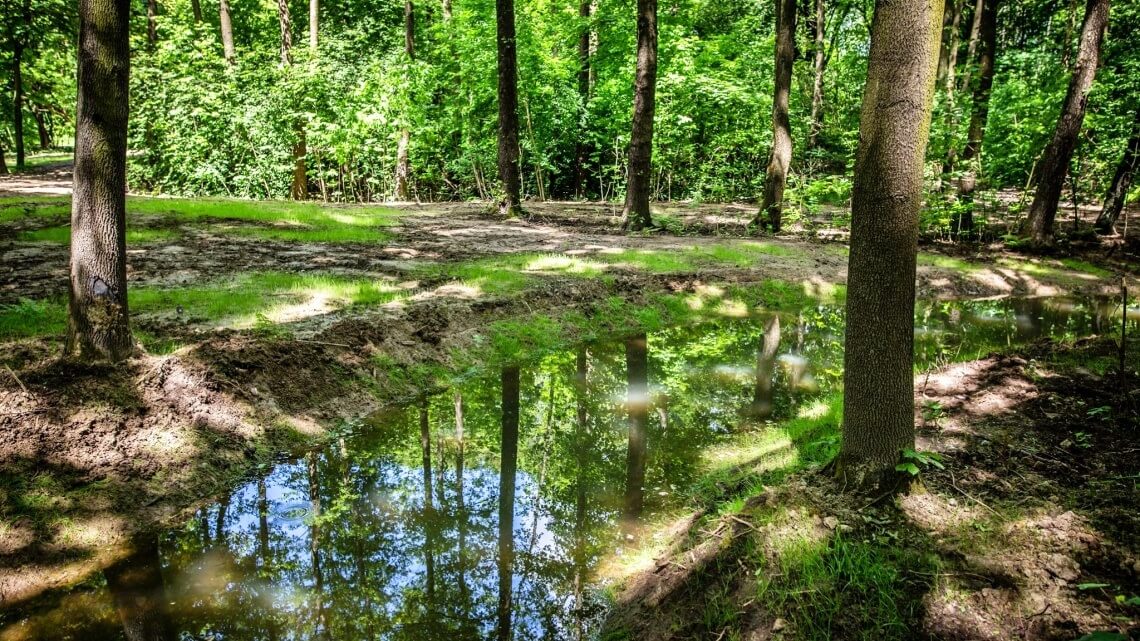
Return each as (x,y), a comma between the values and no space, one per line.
(732,320)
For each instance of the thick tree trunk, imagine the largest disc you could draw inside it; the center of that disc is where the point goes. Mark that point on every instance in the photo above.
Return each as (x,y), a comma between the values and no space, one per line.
(314,23)
(97,310)
(403,171)
(508,463)
(818,65)
(636,211)
(1054,165)
(151,23)
(227,27)
(1121,182)
(878,378)
(637,405)
(511,204)
(18,103)
(776,176)
(582,148)
(139,594)
(196,8)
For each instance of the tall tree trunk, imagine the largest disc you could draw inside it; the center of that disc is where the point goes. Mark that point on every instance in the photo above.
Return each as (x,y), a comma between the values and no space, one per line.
(971,154)
(314,23)
(402,169)
(1121,182)
(227,27)
(818,65)
(582,148)
(139,594)
(18,103)
(1054,165)
(41,128)
(878,377)
(776,176)
(637,406)
(3,162)
(975,32)
(981,108)
(947,29)
(951,69)
(299,186)
(636,211)
(196,8)
(511,204)
(151,23)
(507,465)
(97,308)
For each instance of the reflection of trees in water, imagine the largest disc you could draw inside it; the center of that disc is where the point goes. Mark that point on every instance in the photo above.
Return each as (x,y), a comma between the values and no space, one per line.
(507,464)
(139,594)
(385,536)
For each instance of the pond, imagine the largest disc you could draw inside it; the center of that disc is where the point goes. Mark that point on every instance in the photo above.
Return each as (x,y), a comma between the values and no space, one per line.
(505,507)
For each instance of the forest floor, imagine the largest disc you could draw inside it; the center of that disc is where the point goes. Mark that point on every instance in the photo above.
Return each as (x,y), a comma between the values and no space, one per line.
(266,325)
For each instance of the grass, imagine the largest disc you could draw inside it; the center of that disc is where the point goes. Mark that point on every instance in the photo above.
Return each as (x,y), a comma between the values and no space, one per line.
(240,303)
(274,220)
(62,235)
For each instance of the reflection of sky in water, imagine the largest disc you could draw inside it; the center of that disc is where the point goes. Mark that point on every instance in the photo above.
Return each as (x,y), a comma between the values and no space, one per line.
(378,548)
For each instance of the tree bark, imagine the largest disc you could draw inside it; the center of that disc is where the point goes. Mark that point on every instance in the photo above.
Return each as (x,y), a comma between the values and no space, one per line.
(878,401)
(637,405)
(507,466)
(636,210)
(196,7)
(402,168)
(314,23)
(18,103)
(41,128)
(97,310)
(286,27)
(227,27)
(1121,182)
(582,148)
(776,176)
(1054,165)
(818,65)
(948,20)
(511,204)
(299,186)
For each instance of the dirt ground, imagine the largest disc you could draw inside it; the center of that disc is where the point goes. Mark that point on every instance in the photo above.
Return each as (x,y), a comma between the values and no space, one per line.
(115,451)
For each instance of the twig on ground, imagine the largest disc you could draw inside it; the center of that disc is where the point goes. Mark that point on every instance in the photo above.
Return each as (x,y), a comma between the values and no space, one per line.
(18,381)
(954,484)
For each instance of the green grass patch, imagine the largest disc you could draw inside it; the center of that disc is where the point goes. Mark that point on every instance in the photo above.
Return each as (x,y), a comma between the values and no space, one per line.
(1086,267)
(839,588)
(946,262)
(33,318)
(62,235)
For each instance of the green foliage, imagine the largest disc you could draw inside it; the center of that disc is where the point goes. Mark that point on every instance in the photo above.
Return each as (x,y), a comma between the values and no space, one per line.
(913,461)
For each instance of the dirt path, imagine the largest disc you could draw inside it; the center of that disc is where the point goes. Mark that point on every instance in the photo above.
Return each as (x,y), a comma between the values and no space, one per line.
(49,180)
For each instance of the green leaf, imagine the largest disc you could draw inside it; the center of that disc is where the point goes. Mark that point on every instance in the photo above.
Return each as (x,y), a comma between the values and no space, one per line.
(1091,586)
(907,467)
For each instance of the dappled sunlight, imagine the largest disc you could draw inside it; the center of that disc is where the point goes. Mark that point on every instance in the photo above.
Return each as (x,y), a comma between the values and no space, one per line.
(732,308)
(567,264)
(820,289)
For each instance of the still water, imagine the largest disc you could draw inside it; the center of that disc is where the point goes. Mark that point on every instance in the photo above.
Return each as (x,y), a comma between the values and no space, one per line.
(490,510)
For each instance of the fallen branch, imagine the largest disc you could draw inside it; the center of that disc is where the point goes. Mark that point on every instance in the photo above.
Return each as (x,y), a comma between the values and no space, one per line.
(18,381)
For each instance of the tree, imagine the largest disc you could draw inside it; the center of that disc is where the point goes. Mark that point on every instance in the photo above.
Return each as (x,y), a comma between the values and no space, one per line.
(508,464)
(97,309)
(139,594)
(151,23)
(299,189)
(1054,164)
(508,109)
(1121,181)
(314,23)
(196,8)
(818,67)
(979,113)
(878,378)
(402,170)
(582,148)
(637,404)
(771,208)
(227,27)
(636,211)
